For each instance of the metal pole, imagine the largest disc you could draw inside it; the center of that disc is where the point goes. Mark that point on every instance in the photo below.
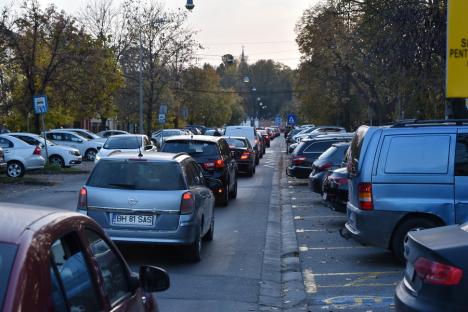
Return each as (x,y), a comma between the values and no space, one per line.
(141,85)
(45,139)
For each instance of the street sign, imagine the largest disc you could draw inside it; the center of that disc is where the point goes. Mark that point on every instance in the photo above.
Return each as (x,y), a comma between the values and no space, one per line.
(40,104)
(163,109)
(162,118)
(278,121)
(457,49)
(292,119)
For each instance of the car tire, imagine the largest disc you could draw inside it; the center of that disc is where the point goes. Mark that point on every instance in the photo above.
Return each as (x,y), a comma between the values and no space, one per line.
(194,249)
(257,160)
(233,193)
(15,169)
(57,160)
(398,239)
(224,200)
(90,154)
(210,234)
(251,171)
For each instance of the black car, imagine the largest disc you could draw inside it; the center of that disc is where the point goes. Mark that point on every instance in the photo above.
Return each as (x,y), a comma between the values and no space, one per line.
(436,276)
(331,159)
(243,153)
(214,156)
(303,157)
(335,189)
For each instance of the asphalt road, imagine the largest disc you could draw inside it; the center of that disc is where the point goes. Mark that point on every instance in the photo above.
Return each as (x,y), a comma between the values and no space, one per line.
(228,277)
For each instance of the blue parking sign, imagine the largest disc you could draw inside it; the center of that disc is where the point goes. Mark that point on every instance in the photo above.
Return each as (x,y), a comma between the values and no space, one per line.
(292,119)
(277,121)
(40,104)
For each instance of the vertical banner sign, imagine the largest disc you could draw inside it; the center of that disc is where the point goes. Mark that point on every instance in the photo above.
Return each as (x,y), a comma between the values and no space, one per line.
(457,49)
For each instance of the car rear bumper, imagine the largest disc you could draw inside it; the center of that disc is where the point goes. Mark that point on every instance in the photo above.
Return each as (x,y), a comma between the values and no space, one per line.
(298,172)
(245,166)
(374,228)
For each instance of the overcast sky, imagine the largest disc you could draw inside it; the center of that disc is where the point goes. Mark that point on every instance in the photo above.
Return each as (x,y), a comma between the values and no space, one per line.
(264,27)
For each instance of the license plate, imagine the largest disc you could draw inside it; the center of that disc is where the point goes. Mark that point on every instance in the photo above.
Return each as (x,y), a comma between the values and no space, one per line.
(132,220)
(409,272)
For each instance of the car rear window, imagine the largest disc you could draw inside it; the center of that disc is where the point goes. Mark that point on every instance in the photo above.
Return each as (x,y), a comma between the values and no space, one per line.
(137,175)
(123,143)
(329,152)
(7,257)
(242,132)
(193,148)
(233,143)
(355,150)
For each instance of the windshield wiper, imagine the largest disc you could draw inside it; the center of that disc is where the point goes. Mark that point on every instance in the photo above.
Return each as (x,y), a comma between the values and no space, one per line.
(123,185)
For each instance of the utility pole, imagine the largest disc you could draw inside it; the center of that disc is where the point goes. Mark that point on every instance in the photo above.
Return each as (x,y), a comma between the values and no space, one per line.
(141,130)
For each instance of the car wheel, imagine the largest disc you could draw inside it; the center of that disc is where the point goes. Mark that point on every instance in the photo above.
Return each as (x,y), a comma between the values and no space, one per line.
(257,160)
(233,193)
(194,250)
(251,171)
(210,234)
(91,154)
(15,169)
(56,160)
(399,236)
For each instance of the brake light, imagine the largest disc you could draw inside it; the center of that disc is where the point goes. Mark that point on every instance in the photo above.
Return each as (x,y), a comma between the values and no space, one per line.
(365,196)
(219,163)
(298,160)
(186,203)
(325,166)
(245,156)
(83,199)
(436,273)
(37,151)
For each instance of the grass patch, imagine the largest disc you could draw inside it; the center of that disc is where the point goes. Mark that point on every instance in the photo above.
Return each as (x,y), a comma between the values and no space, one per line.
(25,181)
(51,169)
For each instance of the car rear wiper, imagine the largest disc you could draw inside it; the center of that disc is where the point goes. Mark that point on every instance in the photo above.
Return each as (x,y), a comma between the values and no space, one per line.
(123,185)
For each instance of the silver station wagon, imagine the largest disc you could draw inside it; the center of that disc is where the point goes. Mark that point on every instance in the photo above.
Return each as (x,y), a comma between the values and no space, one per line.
(158,198)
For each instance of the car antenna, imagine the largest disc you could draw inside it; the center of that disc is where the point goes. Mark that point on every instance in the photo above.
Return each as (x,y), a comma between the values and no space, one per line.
(139,147)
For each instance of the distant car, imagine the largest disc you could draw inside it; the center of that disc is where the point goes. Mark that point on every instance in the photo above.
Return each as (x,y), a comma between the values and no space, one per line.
(159,137)
(243,153)
(322,130)
(155,198)
(266,137)
(60,155)
(196,129)
(331,159)
(262,143)
(20,156)
(108,133)
(130,143)
(335,189)
(214,156)
(55,260)
(87,148)
(3,164)
(250,134)
(214,132)
(89,135)
(436,276)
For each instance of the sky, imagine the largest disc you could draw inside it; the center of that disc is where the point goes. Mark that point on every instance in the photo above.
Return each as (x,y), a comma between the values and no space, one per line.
(265,28)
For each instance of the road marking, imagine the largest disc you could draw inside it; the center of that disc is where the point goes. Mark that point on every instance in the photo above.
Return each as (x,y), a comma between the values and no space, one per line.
(359,285)
(357,273)
(305,231)
(309,281)
(315,217)
(347,302)
(304,248)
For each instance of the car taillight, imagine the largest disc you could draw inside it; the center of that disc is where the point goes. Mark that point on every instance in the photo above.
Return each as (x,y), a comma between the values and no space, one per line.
(217,164)
(83,199)
(325,166)
(298,160)
(37,151)
(245,156)
(365,196)
(436,273)
(187,203)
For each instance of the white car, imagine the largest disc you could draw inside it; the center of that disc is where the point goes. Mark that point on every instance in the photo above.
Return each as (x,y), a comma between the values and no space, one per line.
(59,155)
(161,135)
(84,133)
(126,143)
(319,131)
(20,156)
(87,148)
(108,133)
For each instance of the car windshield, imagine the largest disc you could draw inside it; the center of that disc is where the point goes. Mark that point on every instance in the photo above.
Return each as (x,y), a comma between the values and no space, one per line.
(236,142)
(85,134)
(193,148)
(7,257)
(126,142)
(137,175)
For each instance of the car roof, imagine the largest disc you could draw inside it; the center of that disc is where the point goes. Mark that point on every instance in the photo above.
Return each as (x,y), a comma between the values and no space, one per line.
(24,133)
(18,218)
(14,139)
(154,156)
(328,138)
(127,135)
(205,138)
(235,137)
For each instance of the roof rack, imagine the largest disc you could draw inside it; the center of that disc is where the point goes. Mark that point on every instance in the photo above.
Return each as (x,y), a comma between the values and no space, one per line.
(435,122)
(180,154)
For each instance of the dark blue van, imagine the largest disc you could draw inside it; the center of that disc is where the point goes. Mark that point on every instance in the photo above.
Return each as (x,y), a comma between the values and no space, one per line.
(409,176)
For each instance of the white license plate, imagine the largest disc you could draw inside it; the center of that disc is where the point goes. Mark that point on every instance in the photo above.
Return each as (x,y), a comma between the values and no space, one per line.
(135,220)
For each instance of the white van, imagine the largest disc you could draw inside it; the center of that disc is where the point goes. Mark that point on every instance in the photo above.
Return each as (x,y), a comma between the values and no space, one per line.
(248,133)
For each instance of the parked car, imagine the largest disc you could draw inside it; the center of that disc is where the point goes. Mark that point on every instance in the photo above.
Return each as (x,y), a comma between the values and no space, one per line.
(55,260)
(159,137)
(412,175)
(266,137)
(89,135)
(214,132)
(130,143)
(261,144)
(20,156)
(87,148)
(243,154)
(250,134)
(214,156)
(108,133)
(435,277)
(303,157)
(155,198)
(321,130)
(3,164)
(196,129)
(331,159)
(335,189)
(59,155)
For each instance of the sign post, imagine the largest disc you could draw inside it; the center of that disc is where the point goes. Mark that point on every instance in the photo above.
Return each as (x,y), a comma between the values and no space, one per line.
(41,107)
(457,51)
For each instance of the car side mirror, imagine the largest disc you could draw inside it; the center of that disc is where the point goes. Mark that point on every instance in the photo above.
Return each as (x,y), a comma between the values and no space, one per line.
(154,279)
(214,184)
(148,147)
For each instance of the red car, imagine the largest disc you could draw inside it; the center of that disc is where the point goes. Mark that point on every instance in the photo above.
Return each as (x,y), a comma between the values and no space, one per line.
(53,260)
